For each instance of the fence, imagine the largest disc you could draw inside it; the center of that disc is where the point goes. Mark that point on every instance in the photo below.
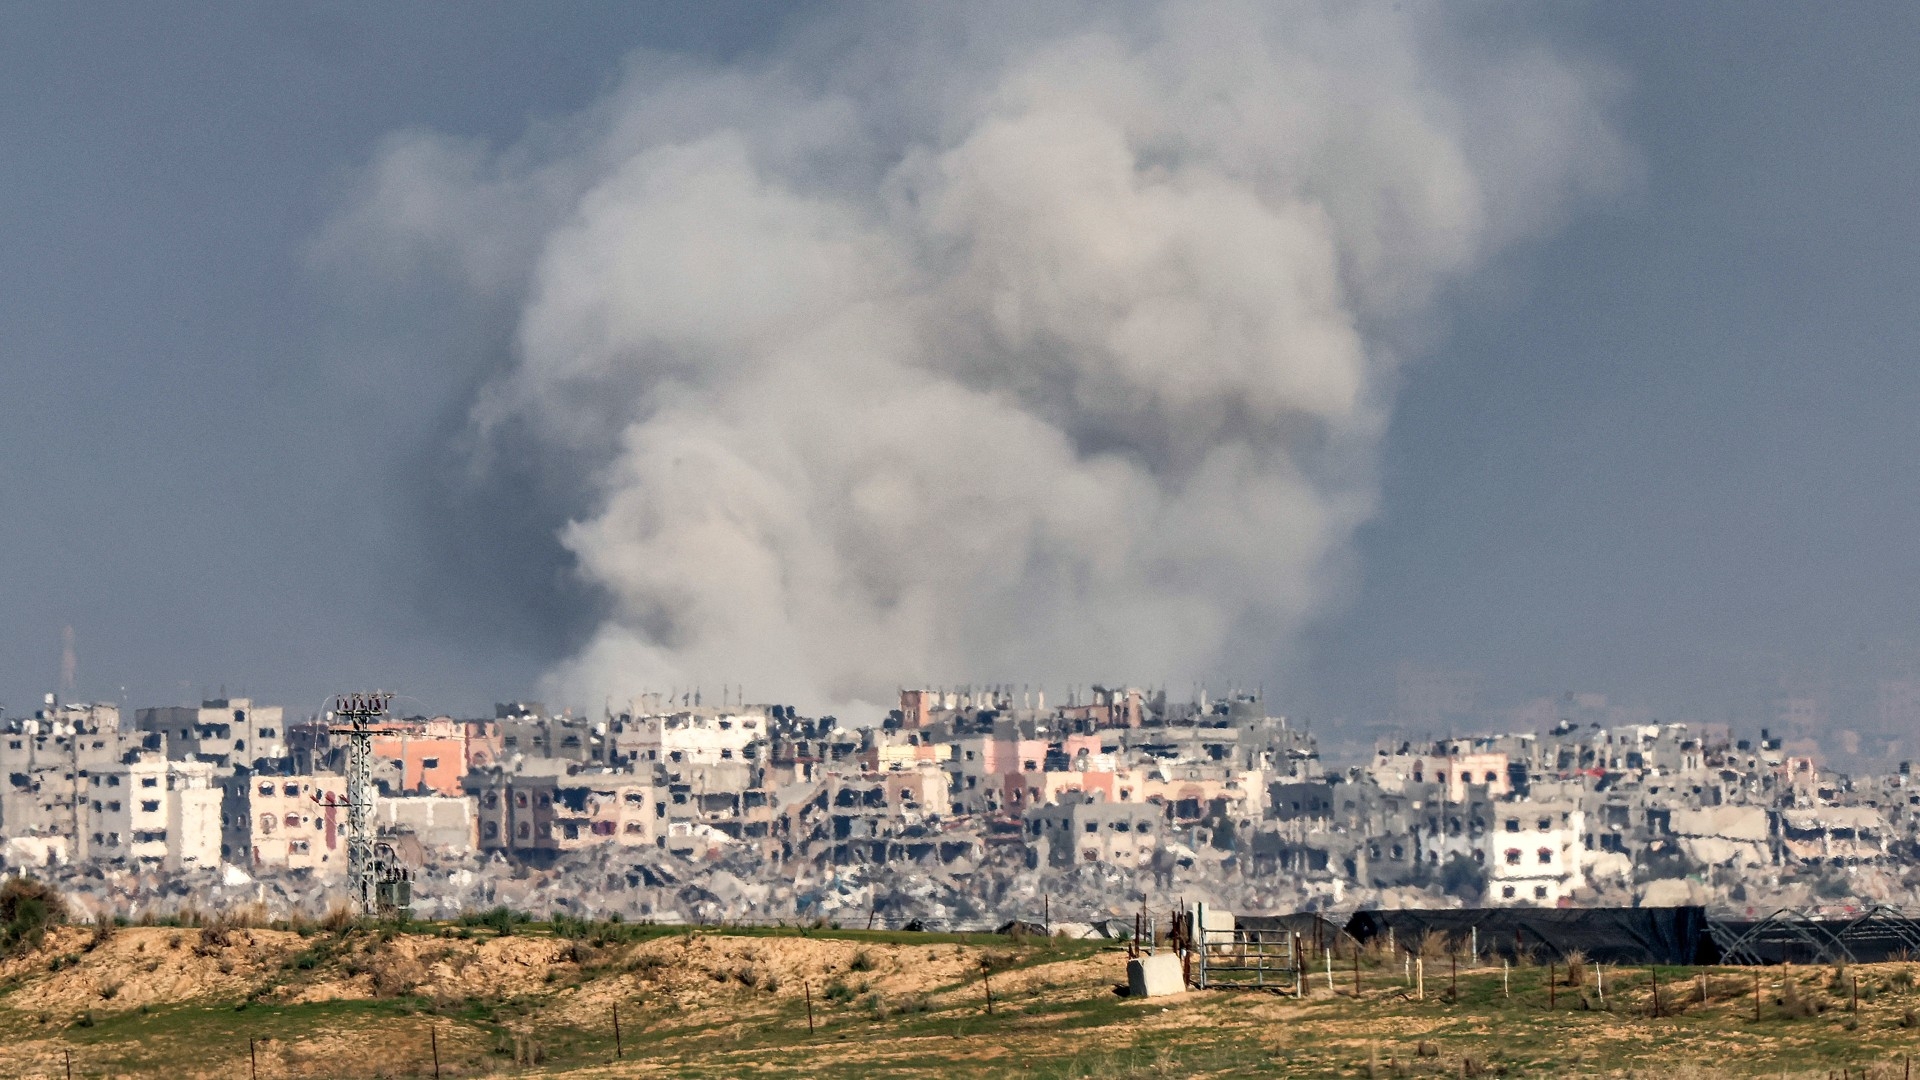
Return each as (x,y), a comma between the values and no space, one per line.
(1223,954)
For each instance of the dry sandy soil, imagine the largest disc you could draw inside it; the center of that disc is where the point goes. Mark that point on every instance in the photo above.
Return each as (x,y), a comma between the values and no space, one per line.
(165,1002)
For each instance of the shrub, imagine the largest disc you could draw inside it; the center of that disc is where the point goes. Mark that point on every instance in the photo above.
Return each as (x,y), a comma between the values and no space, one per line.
(339,919)
(501,919)
(27,908)
(839,993)
(213,937)
(103,931)
(862,961)
(1576,968)
(1902,979)
(1795,1007)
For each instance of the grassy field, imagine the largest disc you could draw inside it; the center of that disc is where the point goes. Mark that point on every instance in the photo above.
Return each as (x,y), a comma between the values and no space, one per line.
(351,1002)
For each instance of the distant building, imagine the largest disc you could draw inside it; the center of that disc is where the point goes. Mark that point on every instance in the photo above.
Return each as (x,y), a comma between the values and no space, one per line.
(230,733)
(431,755)
(1535,853)
(152,812)
(293,822)
(1081,829)
(46,801)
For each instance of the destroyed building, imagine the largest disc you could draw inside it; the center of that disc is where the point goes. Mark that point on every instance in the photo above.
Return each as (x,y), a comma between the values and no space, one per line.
(962,800)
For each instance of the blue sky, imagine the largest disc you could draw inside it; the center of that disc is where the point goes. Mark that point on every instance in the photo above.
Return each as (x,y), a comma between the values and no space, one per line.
(1666,453)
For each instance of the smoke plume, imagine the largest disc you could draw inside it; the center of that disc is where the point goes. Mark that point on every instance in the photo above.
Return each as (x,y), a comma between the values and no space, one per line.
(984,344)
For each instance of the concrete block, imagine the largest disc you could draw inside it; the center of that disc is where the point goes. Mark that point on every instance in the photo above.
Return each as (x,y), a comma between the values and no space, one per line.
(1155,976)
(1214,920)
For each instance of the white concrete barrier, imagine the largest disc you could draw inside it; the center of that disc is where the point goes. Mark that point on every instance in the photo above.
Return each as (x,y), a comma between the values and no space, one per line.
(1155,976)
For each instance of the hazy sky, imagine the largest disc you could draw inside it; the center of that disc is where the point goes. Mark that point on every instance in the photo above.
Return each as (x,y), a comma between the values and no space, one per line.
(1665,452)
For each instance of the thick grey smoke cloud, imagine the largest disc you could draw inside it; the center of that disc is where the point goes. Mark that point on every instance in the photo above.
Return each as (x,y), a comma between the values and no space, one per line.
(985,346)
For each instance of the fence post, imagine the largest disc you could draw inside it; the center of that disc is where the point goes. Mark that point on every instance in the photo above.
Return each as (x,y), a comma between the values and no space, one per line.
(1653,973)
(1506,971)
(253,1063)
(1420,978)
(1197,934)
(618,1051)
(809,989)
(1552,981)
(986,981)
(434,1034)
(1299,967)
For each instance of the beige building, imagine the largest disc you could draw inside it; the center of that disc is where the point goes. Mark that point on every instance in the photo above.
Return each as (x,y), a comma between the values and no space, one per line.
(286,823)
(1454,767)
(438,822)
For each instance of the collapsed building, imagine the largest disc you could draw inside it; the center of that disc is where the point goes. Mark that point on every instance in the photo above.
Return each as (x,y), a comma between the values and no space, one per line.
(986,802)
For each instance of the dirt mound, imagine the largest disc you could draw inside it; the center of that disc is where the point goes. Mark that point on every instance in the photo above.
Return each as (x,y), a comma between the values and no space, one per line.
(80,970)
(77,970)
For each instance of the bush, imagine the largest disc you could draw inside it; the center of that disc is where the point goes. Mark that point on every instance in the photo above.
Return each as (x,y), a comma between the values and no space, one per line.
(27,908)
(103,931)
(1576,968)
(501,920)
(1795,1007)
(862,961)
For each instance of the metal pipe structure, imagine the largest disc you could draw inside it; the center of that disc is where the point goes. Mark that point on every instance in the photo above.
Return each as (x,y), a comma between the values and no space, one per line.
(361,711)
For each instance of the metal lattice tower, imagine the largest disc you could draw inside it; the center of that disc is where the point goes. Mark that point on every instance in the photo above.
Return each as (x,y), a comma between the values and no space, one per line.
(361,713)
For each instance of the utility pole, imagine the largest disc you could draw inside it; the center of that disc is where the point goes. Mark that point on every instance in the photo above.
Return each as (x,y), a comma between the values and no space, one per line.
(364,878)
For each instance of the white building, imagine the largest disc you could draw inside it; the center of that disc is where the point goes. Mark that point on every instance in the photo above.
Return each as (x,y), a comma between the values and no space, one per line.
(689,738)
(154,812)
(1534,853)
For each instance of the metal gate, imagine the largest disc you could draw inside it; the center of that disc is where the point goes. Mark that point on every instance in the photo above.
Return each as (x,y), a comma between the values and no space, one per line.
(1226,957)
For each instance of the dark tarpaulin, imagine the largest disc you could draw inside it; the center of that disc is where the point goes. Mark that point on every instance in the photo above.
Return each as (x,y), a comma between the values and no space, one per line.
(1670,935)
(1312,927)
